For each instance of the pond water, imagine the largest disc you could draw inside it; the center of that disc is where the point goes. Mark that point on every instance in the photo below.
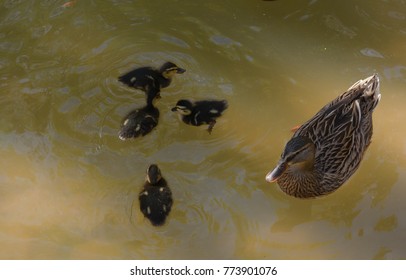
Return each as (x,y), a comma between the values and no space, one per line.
(69,185)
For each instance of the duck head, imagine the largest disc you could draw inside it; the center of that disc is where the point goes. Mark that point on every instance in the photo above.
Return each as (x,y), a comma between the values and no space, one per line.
(153,174)
(169,69)
(183,107)
(298,156)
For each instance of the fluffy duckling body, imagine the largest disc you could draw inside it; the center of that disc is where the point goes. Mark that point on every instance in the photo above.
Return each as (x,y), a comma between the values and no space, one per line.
(200,112)
(155,197)
(139,122)
(151,80)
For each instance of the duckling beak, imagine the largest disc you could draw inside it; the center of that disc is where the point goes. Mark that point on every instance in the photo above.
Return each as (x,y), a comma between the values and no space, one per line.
(174,109)
(277,172)
(180,70)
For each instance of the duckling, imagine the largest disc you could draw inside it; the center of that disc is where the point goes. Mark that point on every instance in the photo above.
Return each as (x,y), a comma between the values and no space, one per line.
(155,197)
(139,122)
(151,80)
(200,112)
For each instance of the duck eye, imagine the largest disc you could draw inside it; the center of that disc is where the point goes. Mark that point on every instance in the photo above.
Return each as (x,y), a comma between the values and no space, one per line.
(290,157)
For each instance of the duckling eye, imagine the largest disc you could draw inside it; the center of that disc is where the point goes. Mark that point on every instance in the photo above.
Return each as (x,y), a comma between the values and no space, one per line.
(183,110)
(172,69)
(170,72)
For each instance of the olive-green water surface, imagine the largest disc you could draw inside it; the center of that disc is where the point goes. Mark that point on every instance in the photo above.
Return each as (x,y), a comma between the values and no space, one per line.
(69,185)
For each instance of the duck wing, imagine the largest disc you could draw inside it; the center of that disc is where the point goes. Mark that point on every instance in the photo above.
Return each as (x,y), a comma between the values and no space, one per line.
(341,130)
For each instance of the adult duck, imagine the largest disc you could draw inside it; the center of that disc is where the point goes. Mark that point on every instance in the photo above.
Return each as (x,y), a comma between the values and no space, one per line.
(326,150)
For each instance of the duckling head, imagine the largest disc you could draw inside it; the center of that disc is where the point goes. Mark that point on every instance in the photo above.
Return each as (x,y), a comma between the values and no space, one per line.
(183,107)
(153,174)
(169,69)
(298,156)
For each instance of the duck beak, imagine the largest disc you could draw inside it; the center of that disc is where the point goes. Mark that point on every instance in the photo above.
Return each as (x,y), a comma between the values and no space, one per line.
(277,172)
(180,70)
(174,109)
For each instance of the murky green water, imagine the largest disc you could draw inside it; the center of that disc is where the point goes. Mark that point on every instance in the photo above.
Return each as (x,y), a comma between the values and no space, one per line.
(68,185)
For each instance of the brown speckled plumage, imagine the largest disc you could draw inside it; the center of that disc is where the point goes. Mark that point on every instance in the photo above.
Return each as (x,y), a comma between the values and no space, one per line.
(325,151)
